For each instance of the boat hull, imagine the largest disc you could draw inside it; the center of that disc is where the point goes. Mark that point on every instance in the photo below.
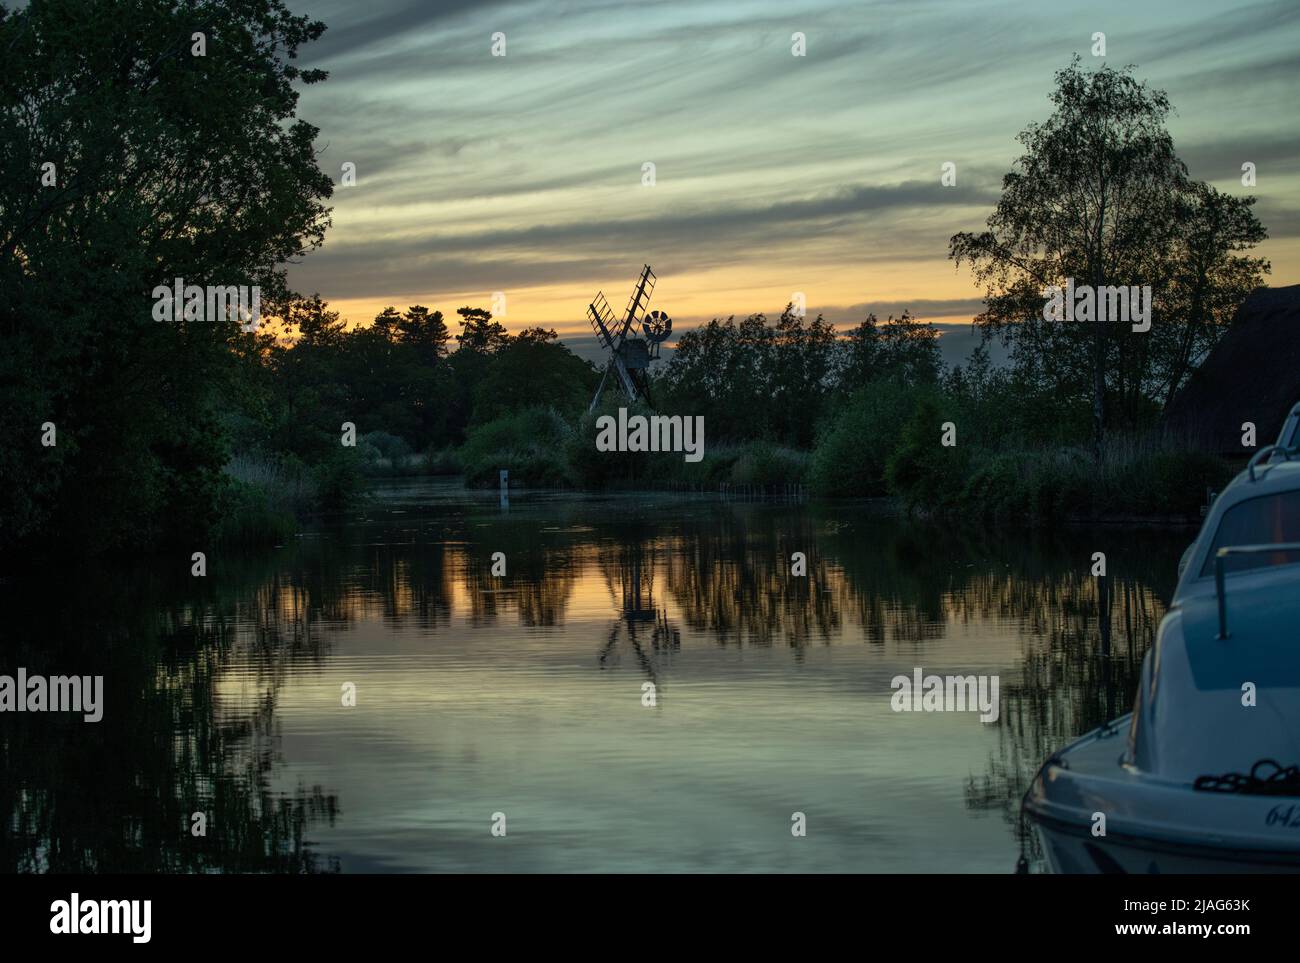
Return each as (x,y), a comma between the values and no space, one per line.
(1096,814)
(1074,850)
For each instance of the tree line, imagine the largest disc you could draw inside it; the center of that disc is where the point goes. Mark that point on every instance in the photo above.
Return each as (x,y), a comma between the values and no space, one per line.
(126,161)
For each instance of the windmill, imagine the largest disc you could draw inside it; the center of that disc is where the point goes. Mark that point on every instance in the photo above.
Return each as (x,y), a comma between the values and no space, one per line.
(629,356)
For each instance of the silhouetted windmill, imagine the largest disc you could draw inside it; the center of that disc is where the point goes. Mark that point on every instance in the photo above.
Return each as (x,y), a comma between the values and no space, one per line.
(629,357)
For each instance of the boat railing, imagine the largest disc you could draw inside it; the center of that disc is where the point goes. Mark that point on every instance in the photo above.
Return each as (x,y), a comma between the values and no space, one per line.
(1267,453)
(1220,561)
(1290,433)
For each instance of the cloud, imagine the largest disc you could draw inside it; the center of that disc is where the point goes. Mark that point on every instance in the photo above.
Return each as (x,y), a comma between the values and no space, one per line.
(520,257)
(478,172)
(349,33)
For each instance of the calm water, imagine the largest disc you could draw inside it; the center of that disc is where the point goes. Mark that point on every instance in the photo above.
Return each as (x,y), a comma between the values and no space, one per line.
(522,695)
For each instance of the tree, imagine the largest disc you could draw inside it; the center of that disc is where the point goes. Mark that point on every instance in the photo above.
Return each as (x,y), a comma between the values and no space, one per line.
(479,332)
(165,165)
(1097,196)
(387,323)
(801,376)
(424,332)
(901,347)
(1206,280)
(478,339)
(532,369)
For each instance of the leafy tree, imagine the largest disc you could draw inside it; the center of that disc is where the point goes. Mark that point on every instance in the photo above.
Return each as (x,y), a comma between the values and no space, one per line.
(800,377)
(479,332)
(166,165)
(900,347)
(316,326)
(751,379)
(387,323)
(926,473)
(1205,282)
(425,332)
(479,337)
(1098,196)
(858,436)
(532,369)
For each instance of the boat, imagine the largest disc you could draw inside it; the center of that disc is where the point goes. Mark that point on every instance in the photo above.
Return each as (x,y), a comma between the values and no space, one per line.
(1203,776)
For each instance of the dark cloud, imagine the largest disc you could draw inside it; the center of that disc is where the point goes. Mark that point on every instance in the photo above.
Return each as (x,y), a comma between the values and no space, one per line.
(724,235)
(354,26)
(1221,159)
(1185,41)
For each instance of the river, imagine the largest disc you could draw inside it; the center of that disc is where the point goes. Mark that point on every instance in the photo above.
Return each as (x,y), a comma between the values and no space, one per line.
(648,687)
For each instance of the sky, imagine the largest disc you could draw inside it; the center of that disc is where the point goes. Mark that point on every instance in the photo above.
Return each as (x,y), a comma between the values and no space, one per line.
(524,174)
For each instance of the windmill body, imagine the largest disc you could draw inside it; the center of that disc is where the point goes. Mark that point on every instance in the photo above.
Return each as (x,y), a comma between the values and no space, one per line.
(629,357)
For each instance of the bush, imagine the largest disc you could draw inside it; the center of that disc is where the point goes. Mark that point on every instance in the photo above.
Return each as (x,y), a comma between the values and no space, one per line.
(339,480)
(760,463)
(530,444)
(1049,484)
(925,472)
(851,451)
(391,447)
(252,515)
(285,479)
(443,461)
(1175,481)
(590,468)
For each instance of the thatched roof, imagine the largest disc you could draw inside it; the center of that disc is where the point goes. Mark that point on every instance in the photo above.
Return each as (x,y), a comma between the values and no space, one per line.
(1253,374)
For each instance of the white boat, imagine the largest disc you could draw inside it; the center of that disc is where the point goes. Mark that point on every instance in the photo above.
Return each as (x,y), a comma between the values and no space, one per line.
(1196,779)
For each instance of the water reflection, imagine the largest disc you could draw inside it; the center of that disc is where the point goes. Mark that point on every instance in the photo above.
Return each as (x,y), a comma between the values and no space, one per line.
(119,795)
(629,570)
(203,676)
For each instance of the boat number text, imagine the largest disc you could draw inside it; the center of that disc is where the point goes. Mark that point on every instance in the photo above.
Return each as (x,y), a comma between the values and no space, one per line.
(1288,818)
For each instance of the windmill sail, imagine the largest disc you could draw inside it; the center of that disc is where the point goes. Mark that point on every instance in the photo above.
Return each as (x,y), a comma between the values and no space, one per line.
(640,297)
(602,320)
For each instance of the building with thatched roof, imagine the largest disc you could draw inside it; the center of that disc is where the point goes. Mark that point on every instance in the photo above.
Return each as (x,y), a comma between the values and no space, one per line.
(1251,375)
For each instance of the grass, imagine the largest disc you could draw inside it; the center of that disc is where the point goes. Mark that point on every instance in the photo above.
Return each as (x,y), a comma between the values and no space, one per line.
(265,497)
(1137,478)
(288,484)
(530,444)
(251,516)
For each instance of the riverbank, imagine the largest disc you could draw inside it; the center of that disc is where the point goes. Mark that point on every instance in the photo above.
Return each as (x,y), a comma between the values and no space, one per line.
(897,444)
(1138,477)
(1045,486)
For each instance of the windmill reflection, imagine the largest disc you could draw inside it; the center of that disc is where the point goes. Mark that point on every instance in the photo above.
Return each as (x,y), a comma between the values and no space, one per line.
(629,573)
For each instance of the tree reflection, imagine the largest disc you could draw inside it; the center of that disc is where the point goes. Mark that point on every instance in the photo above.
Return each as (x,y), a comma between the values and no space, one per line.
(731,577)
(118,795)
(1081,668)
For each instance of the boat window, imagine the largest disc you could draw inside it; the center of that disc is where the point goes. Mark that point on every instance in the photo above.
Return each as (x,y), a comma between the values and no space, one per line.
(1258,521)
